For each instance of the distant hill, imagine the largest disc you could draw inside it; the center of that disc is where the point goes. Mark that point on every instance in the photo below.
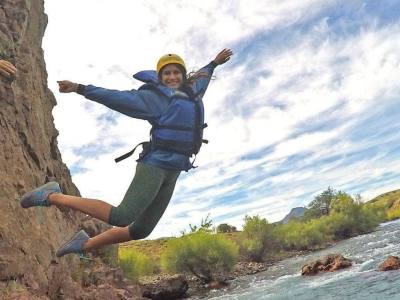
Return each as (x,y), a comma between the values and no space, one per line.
(295,213)
(390,202)
(388,199)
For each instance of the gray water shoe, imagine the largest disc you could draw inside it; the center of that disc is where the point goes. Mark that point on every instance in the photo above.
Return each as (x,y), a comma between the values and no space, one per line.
(74,245)
(40,195)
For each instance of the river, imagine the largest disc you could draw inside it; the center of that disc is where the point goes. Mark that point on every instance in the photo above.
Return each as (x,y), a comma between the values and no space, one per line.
(361,281)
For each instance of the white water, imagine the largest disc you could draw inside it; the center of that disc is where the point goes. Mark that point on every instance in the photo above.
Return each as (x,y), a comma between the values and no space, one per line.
(361,281)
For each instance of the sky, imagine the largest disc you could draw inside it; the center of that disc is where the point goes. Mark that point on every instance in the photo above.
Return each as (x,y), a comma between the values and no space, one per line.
(309,100)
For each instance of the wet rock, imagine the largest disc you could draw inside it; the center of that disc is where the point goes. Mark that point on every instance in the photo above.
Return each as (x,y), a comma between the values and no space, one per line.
(170,288)
(391,263)
(329,263)
(215,285)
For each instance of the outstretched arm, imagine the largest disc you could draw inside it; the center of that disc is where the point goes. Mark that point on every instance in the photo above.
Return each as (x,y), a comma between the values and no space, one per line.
(203,76)
(7,69)
(223,57)
(131,103)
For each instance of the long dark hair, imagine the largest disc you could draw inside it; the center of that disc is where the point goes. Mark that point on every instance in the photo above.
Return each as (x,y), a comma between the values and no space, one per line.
(188,80)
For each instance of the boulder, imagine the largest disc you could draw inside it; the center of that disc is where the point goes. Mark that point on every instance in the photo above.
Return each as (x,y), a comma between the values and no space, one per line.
(217,284)
(174,287)
(329,263)
(391,263)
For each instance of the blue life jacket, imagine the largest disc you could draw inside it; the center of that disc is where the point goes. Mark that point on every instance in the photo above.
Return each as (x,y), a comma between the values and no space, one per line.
(179,128)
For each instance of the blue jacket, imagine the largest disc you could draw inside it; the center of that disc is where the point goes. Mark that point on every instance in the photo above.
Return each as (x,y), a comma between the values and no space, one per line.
(147,104)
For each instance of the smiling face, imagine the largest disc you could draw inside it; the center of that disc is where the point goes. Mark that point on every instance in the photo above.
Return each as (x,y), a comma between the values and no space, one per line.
(171,76)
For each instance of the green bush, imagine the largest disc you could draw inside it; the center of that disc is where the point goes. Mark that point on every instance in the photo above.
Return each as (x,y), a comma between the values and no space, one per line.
(257,238)
(134,264)
(201,253)
(347,218)
(303,235)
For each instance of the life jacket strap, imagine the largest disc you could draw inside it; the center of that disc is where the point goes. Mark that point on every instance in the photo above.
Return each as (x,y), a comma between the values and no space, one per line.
(126,155)
(176,127)
(173,127)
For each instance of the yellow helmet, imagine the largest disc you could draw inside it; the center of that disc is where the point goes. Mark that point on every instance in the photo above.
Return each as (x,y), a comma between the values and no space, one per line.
(169,59)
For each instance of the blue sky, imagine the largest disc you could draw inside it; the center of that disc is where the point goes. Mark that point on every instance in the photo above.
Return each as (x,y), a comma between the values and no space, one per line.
(309,100)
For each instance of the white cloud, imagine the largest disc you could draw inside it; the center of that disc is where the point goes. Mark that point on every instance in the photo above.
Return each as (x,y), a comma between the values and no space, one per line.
(264,95)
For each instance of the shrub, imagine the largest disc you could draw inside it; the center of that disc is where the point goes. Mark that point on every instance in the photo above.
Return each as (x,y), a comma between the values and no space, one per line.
(134,264)
(201,253)
(257,238)
(205,226)
(303,235)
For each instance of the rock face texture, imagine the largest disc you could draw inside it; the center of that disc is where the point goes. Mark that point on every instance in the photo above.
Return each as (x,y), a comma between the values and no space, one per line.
(330,263)
(29,153)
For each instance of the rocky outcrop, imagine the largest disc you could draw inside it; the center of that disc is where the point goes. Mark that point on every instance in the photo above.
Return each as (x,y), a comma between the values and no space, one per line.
(29,154)
(294,213)
(330,263)
(391,263)
(174,287)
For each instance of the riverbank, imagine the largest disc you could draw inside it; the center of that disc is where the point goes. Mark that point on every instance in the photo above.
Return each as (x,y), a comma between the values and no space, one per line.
(241,268)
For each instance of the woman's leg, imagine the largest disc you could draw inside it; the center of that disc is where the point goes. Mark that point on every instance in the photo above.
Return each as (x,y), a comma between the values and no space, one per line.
(112,236)
(148,220)
(94,208)
(144,225)
(140,194)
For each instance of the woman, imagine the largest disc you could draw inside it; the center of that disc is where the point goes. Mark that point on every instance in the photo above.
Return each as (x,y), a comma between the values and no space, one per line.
(172,103)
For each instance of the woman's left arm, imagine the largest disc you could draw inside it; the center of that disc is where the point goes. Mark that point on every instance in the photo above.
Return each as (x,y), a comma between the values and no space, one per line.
(203,76)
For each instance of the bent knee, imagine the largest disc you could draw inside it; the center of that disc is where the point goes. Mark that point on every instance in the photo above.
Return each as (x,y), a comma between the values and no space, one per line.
(138,233)
(119,218)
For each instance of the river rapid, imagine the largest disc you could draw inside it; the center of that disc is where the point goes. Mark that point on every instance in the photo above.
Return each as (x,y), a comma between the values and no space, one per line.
(361,281)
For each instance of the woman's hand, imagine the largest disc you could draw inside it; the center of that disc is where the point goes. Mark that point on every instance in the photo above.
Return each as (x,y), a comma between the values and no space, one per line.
(65,86)
(7,69)
(223,56)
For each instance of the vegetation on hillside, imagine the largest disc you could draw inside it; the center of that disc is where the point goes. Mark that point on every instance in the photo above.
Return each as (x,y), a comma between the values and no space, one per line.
(388,204)
(205,250)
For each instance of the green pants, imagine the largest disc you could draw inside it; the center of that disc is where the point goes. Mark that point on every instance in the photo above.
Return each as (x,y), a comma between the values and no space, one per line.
(145,201)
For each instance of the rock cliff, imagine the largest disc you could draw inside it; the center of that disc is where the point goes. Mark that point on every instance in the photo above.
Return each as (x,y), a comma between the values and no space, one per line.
(29,153)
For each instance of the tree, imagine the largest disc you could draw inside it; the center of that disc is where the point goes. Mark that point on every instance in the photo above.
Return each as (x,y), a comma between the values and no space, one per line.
(320,206)
(222,228)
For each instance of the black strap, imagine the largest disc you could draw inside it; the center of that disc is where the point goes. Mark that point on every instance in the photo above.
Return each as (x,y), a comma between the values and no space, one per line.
(126,155)
(174,127)
(177,127)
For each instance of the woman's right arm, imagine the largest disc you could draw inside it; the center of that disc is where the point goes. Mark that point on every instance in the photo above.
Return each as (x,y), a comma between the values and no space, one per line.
(131,103)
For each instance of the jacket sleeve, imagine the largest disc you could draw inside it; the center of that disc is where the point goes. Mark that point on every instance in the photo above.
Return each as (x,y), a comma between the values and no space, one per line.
(200,84)
(132,103)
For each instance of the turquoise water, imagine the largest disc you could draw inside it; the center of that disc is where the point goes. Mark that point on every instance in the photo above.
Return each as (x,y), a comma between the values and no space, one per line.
(361,281)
